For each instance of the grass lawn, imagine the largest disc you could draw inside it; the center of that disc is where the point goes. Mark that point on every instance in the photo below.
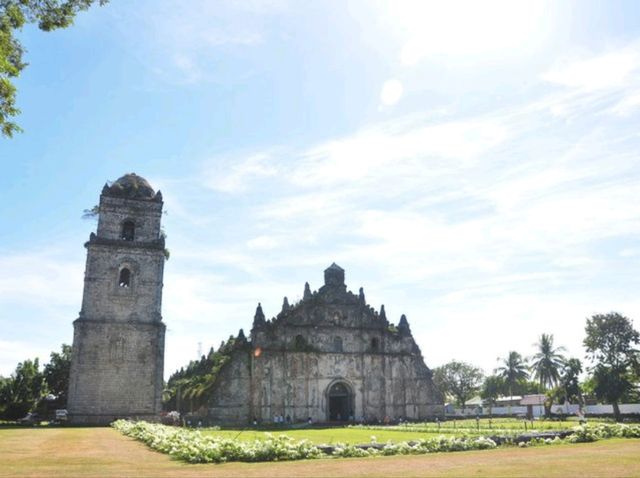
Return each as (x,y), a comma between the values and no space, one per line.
(89,452)
(487,426)
(327,435)
(357,435)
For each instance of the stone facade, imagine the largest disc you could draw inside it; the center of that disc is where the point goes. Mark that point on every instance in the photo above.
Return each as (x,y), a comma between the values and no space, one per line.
(330,357)
(118,343)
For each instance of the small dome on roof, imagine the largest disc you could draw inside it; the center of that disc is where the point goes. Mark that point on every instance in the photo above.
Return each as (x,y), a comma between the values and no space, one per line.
(334,275)
(130,186)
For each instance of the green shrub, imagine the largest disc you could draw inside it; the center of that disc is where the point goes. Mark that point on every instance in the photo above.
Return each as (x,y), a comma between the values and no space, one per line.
(194,447)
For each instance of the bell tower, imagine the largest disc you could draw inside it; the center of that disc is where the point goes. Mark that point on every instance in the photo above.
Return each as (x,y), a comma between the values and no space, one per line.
(118,343)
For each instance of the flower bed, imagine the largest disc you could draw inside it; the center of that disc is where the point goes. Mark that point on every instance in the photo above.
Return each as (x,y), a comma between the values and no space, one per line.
(194,447)
(586,433)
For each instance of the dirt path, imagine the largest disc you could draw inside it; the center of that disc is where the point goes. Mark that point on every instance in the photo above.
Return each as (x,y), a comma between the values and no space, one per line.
(102,452)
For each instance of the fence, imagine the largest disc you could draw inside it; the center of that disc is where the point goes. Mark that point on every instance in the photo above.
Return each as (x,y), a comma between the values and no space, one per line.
(538,410)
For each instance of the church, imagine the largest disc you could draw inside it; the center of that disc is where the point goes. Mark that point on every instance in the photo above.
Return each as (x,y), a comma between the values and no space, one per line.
(330,357)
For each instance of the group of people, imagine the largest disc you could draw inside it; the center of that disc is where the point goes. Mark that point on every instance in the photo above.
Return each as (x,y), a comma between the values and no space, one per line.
(287,420)
(279,419)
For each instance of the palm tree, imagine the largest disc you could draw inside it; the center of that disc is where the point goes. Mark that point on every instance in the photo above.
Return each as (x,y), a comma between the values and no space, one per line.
(547,362)
(513,370)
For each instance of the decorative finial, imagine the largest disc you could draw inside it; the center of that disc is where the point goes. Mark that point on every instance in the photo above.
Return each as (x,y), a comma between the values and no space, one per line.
(307,291)
(241,336)
(285,304)
(361,295)
(403,325)
(383,314)
(259,318)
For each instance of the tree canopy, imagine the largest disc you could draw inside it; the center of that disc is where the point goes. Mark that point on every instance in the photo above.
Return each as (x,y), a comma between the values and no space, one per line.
(492,387)
(547,362)
(14,14)
(25,390)
(19,394)
(513,370)
(570,381)
(459,379)
(56,374)
(610,344)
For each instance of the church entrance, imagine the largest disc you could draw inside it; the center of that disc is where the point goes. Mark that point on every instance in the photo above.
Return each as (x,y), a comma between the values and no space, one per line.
(340,402)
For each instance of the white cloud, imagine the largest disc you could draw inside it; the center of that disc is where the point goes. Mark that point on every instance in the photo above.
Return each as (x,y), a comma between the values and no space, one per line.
(627,105)
(399,146)
(233,176)
(42,278)
(181,43)
(40,296)
(630,252)
(485,328)
(605,71)
(14,351)
(263,243)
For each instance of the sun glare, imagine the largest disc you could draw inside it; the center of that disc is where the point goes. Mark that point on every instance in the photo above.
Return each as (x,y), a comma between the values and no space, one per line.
(462,27)
(391,92)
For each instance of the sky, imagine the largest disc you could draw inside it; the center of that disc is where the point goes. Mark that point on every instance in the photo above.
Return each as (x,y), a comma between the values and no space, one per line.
(473,165)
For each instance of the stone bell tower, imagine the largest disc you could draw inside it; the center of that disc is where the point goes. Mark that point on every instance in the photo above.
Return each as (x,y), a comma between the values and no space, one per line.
(118,342)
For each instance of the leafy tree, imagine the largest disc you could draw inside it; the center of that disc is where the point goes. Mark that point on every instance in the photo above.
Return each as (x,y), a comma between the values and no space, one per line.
(610,344)
(525,387)
(492,387)
(547,362)
(14,14)
(513,370)
(460,379)
(568,388)
(570,381)
(22,390)
(6,394)
(56,374)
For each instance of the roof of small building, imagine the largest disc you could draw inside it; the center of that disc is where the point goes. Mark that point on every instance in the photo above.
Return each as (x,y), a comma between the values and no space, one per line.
(335,266)
(534,399)
(477,400)
(508,398)
(130,186)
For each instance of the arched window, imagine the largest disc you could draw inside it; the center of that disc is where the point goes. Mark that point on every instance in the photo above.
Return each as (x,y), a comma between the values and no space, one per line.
(125,278)
(128,230)
(375,344)
(337,344)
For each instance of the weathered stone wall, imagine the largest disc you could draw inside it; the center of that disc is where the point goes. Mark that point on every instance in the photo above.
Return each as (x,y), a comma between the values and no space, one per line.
(114,211)
(295,384)
(104,299)
(118,346)
(331,336)
(116,371)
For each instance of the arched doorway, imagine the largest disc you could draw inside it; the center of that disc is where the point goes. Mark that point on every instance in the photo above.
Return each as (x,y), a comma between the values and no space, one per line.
(340,401)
